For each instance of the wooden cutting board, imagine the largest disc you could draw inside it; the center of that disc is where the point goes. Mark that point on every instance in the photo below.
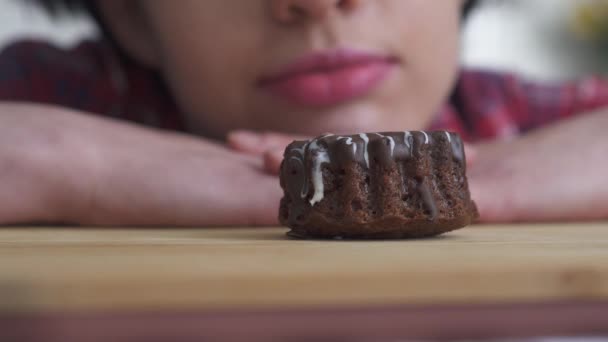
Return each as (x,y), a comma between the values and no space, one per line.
(59,269)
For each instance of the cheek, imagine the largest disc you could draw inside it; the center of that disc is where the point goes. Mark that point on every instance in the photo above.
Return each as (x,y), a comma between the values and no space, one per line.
(202,61)
(436,64)
(202,85)
(432,55)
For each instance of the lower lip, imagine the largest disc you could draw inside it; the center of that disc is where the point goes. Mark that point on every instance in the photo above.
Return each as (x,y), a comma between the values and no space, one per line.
(333,87)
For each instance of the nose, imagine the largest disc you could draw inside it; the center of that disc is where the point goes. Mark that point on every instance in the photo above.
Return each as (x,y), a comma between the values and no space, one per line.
(290,11)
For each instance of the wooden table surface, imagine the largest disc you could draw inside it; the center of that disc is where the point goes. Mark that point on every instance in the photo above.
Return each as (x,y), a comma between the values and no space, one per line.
(74,269)
(63,270)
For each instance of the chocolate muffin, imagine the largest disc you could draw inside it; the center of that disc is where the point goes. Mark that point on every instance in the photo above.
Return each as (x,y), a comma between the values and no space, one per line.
(376,186)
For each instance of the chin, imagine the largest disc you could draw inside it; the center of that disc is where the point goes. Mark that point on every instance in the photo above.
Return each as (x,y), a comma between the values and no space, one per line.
(340,129)
(347,122)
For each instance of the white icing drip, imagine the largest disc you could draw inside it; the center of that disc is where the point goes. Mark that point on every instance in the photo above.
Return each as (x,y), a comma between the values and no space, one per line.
(407,135)
(427,139)
(317,173)
(447,134)
(392,142)
(349,141)
(317,177)
(301,150)
(365,152)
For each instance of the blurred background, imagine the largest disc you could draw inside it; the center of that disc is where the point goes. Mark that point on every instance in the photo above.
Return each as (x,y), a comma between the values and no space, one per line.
(541,39)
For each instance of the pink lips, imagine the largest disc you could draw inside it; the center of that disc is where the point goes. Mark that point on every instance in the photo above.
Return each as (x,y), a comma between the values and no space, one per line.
(330,78)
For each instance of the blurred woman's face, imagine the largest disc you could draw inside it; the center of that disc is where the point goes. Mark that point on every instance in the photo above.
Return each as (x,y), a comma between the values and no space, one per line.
(306,66)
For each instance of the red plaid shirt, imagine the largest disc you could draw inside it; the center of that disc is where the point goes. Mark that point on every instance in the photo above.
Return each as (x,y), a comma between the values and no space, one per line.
(92,78)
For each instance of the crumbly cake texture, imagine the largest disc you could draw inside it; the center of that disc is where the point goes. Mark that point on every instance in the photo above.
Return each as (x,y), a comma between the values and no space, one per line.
(376,186)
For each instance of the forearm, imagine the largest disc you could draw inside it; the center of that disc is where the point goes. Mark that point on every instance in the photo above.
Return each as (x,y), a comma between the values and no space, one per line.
(60,166)
(34,167)
(556,173)
(175,186)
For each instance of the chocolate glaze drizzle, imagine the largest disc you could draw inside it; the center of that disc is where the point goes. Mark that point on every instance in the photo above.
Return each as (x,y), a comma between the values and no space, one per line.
(307,188)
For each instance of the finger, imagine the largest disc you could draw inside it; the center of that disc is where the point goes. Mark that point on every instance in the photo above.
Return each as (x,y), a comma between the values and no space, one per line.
(258,143)
(245,141)
(272,161)
(471,153)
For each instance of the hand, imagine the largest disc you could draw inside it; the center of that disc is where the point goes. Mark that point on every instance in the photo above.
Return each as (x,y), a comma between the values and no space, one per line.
(61,166)
(554,174)
(270,146)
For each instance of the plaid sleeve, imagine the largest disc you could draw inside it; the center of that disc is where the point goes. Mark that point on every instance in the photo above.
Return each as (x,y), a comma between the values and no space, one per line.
(32,71)
(13,75)
(546,103)
(90,77)
(494,105)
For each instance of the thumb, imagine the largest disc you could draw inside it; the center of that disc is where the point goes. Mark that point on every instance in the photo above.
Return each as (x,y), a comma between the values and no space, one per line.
(272,161)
